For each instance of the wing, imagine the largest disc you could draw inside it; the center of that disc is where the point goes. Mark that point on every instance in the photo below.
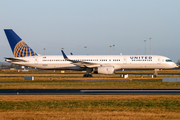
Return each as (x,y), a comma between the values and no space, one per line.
(81,63)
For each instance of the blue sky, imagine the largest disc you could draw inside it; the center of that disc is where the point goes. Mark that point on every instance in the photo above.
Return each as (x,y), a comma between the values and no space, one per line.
(97,24)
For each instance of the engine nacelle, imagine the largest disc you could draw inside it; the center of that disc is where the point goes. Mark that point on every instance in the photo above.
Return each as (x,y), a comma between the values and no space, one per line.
(104,70)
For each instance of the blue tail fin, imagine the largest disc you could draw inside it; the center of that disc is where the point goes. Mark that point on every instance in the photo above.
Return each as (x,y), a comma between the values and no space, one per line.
(18,46)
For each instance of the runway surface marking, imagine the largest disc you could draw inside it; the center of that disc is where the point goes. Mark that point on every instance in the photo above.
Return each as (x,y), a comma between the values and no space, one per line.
(86,91)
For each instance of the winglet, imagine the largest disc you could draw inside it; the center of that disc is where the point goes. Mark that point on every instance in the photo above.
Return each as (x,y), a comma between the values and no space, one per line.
(64,55)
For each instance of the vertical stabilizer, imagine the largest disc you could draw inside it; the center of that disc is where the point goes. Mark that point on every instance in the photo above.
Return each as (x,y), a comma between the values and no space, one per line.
(18,46)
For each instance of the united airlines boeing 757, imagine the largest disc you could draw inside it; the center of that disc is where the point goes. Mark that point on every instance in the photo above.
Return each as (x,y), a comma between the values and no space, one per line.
(102,64)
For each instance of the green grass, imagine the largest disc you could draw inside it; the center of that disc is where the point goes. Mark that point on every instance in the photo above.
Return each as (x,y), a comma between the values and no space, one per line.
(168,105)
(134,84)
(16,81)
(81,107)
(88,106)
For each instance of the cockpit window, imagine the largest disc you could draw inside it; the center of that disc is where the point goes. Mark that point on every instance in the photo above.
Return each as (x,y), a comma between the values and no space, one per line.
(168,60)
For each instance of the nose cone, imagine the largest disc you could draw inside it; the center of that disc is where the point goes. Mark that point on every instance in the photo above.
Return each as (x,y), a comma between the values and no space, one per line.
(175,65)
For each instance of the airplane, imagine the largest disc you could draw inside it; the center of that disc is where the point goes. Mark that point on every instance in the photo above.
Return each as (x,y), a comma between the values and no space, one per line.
(101,64)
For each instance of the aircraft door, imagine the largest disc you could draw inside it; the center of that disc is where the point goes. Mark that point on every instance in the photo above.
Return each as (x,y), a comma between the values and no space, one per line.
(125,60)
(159,61)
(36,61)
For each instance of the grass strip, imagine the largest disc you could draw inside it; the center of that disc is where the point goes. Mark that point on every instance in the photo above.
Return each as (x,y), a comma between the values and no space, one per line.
(134,84)
(101,105)
(80,107)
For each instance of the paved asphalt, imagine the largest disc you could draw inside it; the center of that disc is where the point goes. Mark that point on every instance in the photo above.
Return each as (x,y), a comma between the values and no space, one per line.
(86,91)
(96,73)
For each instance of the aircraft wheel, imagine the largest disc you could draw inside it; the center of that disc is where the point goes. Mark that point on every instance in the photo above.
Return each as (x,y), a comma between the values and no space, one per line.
(87,75)
(90,75)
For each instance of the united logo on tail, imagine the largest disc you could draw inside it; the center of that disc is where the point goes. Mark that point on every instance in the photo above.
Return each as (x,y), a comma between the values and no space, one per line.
(18,46)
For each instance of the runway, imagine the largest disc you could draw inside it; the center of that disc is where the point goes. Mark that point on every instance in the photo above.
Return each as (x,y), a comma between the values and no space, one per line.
(96,73)
(88,91)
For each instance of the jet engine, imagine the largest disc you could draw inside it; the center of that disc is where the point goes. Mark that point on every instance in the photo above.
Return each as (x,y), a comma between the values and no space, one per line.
(104,70)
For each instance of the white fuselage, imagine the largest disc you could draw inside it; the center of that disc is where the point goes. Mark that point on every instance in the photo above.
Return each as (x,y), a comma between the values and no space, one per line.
(117,61)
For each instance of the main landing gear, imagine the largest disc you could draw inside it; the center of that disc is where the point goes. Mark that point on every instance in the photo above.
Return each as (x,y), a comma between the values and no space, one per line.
(87,75)
(88,72)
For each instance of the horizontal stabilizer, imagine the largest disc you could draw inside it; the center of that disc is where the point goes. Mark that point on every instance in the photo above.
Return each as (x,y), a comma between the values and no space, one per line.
(8,59)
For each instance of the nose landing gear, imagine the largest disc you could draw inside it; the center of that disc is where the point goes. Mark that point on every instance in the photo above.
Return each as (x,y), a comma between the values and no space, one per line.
(155,72)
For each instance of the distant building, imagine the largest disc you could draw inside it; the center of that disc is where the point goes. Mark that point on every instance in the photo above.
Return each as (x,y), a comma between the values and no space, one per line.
(178,62)
(6,65)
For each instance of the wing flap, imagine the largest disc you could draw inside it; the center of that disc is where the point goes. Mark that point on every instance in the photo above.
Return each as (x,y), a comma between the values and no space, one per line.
(80,63)
(85,64)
